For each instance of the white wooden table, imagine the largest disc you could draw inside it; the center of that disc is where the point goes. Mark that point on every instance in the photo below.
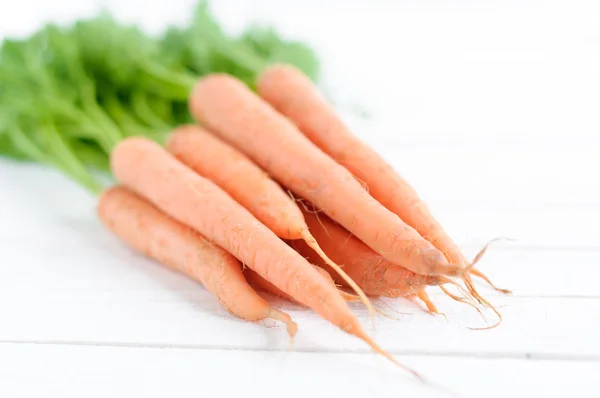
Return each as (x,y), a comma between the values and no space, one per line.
(490,110)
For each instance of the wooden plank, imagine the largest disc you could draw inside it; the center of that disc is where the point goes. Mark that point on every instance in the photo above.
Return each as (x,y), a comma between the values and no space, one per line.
(542,273)
(481,176)
(489,173)
(40,204)
(77,371)
(83,285)
(110,294)
(571,227)
(538,328)
(98,261)
(472,121)
(565,228)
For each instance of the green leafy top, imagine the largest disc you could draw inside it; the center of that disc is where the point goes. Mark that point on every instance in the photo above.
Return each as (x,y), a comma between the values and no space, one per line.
(69,94)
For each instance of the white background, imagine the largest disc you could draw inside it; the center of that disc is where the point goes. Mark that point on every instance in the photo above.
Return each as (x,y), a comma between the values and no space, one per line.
(490,109)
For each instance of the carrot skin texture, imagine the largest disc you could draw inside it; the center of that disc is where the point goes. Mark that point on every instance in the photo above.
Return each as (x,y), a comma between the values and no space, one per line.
(289,91)
(248,184)
(374,274)
(255,280)
(227,107)
(151,171)
(261,283)
(146,229)
(231,170)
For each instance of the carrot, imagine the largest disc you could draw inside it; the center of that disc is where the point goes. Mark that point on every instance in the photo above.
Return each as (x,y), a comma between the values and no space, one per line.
(233,172)
(151,171)
(373,273)
(206,154)
(293,94)
(255,280)
(146,229)
(424,297)
(227,107)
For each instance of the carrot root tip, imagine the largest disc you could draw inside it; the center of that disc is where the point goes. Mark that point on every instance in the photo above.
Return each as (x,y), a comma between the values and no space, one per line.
(313,244)
(292,327)
(362,334)
(424,297)
(479,274)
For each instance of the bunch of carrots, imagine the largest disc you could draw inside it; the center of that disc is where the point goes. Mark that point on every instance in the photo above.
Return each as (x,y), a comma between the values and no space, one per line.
(259,184)
(280,196)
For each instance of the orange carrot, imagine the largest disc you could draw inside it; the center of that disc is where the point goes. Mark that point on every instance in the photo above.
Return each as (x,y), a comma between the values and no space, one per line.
(151,171)
(424,297)
(293,94)
(255,280)
(250,186)
(233,172)
(146,229)
(373,273)
(228,108)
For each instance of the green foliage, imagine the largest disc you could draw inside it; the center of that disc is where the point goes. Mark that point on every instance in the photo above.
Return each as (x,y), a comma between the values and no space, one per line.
(69,94)
(266,43)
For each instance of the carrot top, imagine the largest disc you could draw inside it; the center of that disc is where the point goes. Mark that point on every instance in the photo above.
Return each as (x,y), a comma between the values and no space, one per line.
(70,93)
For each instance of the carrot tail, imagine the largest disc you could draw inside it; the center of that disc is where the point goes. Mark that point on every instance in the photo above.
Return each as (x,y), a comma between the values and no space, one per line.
(474,271)
(461,299)
(424,297)
(382,312)
(349,296)
(385,314)
(482,252)
(466,296)
(359,332)
(469,282)
(478,273)
(473,292)
(416,374)
(312,243)
(491,326)
(465,275)
(362,335)
(353,297)
(292,327)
